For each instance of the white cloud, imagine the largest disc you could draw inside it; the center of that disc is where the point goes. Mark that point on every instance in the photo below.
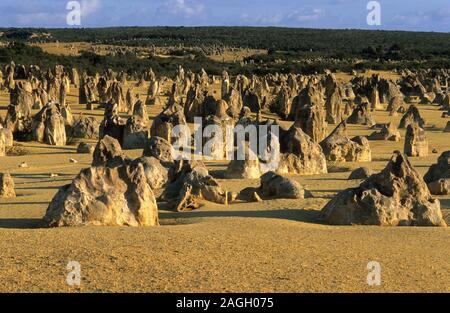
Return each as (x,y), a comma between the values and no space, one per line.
(294,18)
(182,8)
(306,16)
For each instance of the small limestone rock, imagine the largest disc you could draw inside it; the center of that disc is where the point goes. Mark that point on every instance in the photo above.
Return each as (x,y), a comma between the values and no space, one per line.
(85,127)
(440,187)
(247,168)
(108,152)
(8,136)
(85,148)
(416,144)
(360,173)
(159,148)
(395,105)
(112,124)
(312,120)
(136,130)
(6,186)
(231,196)
(190,184)
(277,186)
(157,174)
(49,125)
(300,154)
(361,115)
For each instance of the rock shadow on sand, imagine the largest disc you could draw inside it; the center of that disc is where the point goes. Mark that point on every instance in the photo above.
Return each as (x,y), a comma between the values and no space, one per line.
(297,215)
(21,223)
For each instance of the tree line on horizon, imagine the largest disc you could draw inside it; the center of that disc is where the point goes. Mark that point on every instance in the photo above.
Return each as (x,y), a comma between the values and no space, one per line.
(302,50)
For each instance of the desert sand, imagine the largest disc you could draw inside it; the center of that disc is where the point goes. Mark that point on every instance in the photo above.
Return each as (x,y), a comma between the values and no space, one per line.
(270,246)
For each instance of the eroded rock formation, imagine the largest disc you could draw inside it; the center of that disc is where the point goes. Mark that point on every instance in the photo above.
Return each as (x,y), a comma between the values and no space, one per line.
(438,175)
(387,132)
(395,196)
(416,143)
(190,184)
(300,154)
(111,196)
(6,186)
(49,125)
(338,147)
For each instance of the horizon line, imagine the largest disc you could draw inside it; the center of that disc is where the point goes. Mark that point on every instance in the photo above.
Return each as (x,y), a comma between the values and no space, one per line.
(226,26)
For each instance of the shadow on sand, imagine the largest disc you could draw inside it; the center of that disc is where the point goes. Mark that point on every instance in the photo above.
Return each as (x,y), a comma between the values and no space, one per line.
(298,215)
(21,223)
(48,147)
(445,203)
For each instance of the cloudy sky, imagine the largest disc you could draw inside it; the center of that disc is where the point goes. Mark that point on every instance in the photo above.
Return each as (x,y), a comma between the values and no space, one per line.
(417,15)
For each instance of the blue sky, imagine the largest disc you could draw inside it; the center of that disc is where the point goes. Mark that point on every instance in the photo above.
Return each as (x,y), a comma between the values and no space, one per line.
(416,15)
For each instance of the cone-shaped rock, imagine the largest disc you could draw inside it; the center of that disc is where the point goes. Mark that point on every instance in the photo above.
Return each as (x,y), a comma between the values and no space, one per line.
(387,132)
(361,116)
(411,116)
(160,149)
(108,153)
(416,143)
(300,154)
(338,147)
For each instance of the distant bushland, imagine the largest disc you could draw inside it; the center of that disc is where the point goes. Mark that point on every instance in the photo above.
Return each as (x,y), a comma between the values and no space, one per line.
(289,49)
